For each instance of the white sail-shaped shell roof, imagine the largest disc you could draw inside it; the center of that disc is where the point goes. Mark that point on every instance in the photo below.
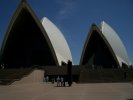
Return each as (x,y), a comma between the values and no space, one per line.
(115,43)
(58,41)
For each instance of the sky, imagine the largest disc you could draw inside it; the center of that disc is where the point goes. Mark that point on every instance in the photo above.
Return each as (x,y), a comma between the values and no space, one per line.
(75,17)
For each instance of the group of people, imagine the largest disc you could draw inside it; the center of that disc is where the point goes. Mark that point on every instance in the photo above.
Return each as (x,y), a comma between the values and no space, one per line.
(60,81)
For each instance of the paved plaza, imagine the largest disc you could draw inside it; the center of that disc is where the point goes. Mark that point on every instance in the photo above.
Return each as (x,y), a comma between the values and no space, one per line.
(48,91)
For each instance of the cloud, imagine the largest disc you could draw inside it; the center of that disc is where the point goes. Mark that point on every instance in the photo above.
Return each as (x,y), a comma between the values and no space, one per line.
(66,8)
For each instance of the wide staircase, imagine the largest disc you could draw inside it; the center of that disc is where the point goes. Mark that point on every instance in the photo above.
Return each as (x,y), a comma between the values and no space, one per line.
(34,77)
(20,76)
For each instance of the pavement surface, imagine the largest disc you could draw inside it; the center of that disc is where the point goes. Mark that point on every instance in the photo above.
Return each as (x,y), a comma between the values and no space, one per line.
(48,91)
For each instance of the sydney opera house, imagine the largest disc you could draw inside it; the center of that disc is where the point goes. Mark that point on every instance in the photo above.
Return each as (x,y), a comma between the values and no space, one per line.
(29,41)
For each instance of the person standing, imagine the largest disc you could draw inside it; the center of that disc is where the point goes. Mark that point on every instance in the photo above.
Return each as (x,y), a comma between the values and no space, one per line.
(62,81)
(58,81)
(47,79)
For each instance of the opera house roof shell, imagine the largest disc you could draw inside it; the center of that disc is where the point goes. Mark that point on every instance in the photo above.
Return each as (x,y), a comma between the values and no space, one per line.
(103,47)
(115,42)
(29,42)
(58,41)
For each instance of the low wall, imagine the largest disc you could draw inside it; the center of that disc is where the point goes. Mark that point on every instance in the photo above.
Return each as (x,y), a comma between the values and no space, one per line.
(105,75)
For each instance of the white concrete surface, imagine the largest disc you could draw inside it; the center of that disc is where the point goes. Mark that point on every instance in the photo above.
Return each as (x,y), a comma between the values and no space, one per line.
(115,43)
(57,40)
(48,91)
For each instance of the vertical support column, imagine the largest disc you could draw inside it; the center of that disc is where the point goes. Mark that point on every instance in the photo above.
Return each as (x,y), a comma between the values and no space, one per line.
(69,72)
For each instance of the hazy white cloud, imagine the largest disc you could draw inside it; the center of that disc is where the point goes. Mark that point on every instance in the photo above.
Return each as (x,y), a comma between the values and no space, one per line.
(66,8)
